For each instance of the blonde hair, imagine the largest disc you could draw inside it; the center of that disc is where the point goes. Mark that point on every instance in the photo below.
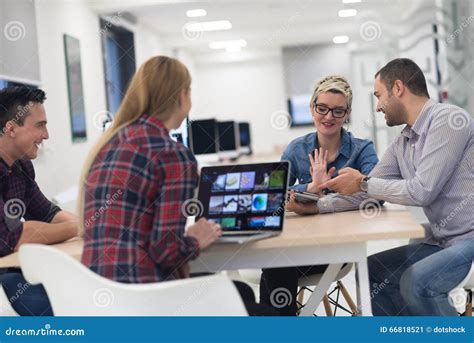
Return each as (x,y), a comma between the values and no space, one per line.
(333,84)
(154,90)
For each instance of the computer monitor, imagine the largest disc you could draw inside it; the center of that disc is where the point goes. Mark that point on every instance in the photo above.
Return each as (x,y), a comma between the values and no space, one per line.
(228,138)
(202,137)
(245,139)
(181,133)
(300,112)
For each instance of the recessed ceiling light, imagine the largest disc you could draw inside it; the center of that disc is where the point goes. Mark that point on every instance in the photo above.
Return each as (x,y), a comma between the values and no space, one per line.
(350,1)
(348,13)
(196,13)
(340,39)
(208,26)
(228,44)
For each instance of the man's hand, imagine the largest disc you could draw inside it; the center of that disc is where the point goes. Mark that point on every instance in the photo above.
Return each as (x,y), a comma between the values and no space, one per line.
(301,208)
(67,217)
(346,183)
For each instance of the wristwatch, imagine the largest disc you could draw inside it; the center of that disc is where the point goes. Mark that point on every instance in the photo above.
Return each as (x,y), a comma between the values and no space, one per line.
(364,184)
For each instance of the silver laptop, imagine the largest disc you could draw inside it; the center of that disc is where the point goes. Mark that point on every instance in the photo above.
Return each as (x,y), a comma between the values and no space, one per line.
(247,200)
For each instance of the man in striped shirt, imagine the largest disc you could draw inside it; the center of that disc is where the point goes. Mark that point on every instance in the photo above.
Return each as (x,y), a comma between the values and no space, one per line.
(430,165)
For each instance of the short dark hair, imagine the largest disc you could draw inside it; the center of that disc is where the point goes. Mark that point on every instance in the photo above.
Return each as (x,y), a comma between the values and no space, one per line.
(408,72)
(15,103)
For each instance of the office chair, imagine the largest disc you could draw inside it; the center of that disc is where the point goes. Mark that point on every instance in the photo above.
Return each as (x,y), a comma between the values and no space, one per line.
(305,282)
(466,286)
(6,308)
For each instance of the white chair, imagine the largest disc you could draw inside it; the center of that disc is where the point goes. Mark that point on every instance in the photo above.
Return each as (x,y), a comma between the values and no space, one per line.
(74,290)
(312,280)
(69,195)
(466,286)
(6,308)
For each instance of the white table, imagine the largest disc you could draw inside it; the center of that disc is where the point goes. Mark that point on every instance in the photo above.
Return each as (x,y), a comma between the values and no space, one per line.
(332,239)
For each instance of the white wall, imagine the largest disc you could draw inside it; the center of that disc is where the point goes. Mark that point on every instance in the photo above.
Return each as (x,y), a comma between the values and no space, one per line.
(18,42)
(245,91)
(305,65)
(255,89)
(60,163)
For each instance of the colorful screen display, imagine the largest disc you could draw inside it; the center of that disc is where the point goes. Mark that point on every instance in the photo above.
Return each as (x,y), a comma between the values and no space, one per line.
(245,197)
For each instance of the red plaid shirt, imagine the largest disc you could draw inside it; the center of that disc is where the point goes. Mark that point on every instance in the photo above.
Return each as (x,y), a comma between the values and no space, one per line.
(134,225)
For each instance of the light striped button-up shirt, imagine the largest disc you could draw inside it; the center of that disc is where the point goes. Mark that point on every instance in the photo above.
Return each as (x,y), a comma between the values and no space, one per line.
(430,165)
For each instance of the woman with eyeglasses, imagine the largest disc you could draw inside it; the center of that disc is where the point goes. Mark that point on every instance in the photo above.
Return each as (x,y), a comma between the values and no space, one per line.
(315,158)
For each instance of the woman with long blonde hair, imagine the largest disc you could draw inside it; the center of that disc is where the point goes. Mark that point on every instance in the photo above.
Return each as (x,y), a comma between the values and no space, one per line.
(135,181)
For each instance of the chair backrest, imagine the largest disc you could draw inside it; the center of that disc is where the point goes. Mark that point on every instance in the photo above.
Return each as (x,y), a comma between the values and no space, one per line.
(74,290)
(468,282)
(6,308)
(66,196)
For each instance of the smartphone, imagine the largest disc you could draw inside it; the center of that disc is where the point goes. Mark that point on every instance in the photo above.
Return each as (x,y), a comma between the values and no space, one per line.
(305,197)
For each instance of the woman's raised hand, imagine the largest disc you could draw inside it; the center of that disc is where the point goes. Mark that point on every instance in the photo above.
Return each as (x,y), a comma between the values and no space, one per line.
(318,170)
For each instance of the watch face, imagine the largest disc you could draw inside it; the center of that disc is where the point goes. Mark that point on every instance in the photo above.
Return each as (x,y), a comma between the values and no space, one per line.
(364,186)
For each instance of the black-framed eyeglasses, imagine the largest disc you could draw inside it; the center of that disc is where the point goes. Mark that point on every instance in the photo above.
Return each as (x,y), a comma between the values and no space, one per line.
(336,112)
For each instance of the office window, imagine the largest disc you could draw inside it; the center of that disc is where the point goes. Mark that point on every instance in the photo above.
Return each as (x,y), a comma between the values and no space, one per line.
(7,83)
(77,111)
(119,62)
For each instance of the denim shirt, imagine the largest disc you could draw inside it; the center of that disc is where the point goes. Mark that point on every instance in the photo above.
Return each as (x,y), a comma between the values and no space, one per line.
(354,153)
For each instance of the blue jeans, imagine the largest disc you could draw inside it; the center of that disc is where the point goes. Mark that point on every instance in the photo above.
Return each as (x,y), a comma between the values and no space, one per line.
(415,279)
(26,299)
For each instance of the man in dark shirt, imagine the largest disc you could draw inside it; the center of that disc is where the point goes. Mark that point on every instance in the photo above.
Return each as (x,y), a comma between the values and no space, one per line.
(26,215)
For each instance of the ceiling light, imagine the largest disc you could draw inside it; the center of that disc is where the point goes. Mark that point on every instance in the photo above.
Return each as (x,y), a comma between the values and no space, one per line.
(340,39)
(208,26)
(233,48)
(228,44)
(348,13)
(350,1)
(196,13)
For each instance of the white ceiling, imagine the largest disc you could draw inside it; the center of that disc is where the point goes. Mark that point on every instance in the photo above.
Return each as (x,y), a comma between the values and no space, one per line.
(264,24)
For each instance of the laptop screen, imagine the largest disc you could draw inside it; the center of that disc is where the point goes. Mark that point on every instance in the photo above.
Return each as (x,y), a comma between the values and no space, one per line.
(245,197)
